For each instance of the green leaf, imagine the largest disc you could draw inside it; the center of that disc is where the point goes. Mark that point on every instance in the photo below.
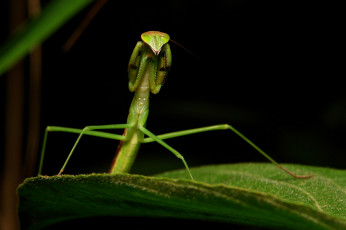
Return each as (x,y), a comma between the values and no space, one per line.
(54,15)
(252,194)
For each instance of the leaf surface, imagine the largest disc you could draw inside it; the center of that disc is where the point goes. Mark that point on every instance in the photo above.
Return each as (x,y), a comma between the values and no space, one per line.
(253,194)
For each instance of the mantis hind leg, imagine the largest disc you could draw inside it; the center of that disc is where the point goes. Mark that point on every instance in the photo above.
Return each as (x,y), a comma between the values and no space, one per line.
(89,130)
(224,127)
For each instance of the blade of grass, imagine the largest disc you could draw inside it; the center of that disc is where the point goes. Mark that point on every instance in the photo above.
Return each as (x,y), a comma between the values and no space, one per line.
(54,15)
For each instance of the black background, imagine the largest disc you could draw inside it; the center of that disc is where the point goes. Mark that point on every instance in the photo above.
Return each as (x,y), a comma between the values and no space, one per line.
(272,69)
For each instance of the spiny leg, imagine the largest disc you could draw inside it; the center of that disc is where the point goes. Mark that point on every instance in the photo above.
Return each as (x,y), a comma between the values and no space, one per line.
(90,130)
(224,127)
(175,152)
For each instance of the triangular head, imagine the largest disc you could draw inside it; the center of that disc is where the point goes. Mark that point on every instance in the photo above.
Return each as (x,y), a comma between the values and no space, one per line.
(155,40)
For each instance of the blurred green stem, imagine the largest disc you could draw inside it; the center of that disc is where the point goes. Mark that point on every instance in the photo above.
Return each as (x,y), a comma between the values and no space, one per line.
(13,129)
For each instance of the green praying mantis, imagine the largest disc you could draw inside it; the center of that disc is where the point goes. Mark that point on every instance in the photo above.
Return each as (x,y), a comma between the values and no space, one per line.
(147,69)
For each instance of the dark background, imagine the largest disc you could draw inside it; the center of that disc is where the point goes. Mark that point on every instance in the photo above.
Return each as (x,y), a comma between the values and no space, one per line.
(271,69)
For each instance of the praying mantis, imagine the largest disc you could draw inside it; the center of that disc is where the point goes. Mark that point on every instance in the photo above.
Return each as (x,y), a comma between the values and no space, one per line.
(147,69)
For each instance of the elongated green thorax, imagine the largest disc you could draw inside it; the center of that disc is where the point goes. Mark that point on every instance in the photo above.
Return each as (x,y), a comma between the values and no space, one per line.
(138,113)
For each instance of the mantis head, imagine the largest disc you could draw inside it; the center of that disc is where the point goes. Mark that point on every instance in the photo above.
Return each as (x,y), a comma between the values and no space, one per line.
(155,40)
(153,62)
